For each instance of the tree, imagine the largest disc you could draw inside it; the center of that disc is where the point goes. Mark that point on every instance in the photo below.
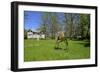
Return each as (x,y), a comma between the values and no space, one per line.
(85,25)
(25,34)
(54,24)
(44,22)
(49,24)
(88,27)
(68,24)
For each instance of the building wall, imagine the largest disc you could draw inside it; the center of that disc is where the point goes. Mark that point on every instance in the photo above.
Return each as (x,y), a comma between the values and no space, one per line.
(31,35)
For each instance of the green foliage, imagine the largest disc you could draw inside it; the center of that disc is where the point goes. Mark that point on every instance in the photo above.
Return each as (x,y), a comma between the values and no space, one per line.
(85,25)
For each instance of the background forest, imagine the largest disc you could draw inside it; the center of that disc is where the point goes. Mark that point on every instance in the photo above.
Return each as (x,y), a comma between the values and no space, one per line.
(75,26)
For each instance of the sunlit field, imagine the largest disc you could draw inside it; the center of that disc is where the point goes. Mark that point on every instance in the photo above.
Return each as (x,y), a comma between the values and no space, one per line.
(42,50)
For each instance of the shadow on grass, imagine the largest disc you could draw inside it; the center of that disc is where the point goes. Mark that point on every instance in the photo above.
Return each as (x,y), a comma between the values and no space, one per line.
(58,48)
(85,44)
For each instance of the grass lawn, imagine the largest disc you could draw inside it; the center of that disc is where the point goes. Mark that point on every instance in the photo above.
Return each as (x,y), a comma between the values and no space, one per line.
(44,50)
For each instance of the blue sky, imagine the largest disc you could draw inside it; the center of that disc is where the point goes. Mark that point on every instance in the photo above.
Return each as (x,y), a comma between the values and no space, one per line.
(32,19)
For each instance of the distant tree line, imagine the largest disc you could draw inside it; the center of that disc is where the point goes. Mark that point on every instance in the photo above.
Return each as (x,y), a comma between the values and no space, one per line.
(74,25)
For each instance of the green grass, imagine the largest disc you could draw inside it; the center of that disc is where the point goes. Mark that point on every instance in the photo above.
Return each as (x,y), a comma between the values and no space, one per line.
(44,50)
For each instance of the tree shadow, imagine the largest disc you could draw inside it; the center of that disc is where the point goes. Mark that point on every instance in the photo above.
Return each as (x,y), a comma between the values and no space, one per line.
(58,48)
(85,43)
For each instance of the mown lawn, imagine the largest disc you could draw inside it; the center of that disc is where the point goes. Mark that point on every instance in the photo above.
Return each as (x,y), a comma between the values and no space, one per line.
(44,50)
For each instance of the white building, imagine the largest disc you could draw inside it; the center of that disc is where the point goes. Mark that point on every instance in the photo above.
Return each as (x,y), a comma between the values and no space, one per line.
(37,35)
